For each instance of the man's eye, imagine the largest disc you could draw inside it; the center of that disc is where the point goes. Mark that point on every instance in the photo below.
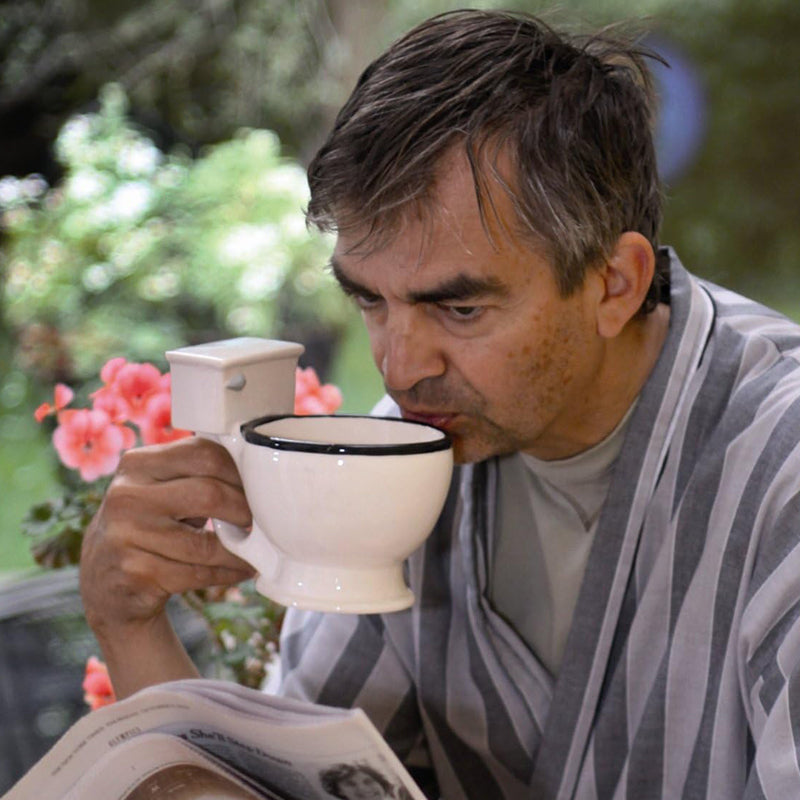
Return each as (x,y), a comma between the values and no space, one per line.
(463,313)
(366,301)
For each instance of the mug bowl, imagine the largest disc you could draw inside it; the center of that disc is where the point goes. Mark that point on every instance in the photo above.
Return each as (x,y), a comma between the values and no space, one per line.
(344,500)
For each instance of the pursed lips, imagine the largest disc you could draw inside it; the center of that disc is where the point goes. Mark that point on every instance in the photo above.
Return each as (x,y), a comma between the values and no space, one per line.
(438,419)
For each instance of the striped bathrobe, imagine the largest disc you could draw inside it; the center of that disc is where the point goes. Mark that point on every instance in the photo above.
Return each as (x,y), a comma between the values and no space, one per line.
(681,675)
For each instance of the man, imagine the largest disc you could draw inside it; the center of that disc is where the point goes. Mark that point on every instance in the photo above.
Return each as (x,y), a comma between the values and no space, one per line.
(608,606)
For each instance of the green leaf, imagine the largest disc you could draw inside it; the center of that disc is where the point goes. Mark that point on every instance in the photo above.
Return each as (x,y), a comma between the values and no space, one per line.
(57,527)
(59,550)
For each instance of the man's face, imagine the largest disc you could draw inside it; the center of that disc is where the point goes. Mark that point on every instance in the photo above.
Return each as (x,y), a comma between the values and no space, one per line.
(471,335)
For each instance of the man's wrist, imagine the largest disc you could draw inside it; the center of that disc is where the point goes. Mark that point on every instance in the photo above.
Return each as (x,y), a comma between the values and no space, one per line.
(140,654)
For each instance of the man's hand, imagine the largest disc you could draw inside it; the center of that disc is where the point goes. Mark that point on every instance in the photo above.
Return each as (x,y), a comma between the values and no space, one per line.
(148,542)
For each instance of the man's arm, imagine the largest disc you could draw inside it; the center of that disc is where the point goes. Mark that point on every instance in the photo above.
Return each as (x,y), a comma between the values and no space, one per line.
(147,543)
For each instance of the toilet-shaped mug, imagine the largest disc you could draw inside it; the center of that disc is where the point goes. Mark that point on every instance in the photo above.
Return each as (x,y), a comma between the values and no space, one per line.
(338,501)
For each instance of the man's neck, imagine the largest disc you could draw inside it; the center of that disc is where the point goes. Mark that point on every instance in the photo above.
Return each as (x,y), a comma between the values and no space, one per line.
(626,365)
(631,360)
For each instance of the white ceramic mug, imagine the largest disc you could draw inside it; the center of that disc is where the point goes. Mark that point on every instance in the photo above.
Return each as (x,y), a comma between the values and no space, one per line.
(338,502)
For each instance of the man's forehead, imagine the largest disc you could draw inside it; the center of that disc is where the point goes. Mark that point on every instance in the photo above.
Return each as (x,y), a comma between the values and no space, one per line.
(430,260)
(414,257)
(449,216)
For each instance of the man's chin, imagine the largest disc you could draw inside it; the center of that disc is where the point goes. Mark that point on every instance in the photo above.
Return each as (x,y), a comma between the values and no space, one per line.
(479,444)
(466,451)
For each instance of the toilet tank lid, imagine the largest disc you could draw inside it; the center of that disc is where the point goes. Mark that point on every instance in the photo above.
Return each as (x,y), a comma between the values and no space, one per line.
(234,352)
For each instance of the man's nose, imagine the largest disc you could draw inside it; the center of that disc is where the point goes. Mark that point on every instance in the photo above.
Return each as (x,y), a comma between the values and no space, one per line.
(411,352)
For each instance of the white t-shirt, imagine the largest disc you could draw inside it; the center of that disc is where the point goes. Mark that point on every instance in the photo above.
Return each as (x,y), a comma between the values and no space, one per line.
(546,519)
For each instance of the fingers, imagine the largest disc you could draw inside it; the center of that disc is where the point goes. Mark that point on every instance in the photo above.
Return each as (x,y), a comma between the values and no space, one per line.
(194,456)
(177,543)
(185,499)
(200,563)
(146,542)
(129,571)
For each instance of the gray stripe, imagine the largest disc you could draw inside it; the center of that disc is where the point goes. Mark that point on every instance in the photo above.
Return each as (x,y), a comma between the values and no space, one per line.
(794,707)
(753,790)
(786,338)
(782,539)
(475,778)
(503,742)
(610,742)
(294,645)
(716,389)
(646,763)
(403,729)
(763,662)
(355,664)
(786,343)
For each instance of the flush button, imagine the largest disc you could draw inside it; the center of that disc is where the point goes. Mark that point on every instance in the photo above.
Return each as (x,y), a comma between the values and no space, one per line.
(237,382)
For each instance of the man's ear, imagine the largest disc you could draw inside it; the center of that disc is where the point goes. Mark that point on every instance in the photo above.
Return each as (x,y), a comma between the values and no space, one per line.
(626,277)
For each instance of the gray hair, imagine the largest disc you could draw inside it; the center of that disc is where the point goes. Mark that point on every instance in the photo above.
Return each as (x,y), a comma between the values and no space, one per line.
(574,115)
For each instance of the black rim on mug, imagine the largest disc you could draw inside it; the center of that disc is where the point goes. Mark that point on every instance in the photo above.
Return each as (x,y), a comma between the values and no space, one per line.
(298,444)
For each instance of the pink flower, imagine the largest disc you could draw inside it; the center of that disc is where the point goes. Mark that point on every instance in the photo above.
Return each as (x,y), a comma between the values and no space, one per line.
(156,427)
(87,440)
(109,370)
(62,397)
(135,383)
(97,688)
(107,399)
(311,397)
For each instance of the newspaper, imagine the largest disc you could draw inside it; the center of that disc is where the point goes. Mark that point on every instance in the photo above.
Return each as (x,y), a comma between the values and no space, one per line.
(198,738)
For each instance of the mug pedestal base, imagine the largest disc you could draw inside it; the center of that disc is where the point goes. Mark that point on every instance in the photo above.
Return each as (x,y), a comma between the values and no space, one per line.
(348,591)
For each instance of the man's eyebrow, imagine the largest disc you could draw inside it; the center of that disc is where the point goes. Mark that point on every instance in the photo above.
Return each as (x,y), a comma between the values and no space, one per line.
(347,285)
(460,287)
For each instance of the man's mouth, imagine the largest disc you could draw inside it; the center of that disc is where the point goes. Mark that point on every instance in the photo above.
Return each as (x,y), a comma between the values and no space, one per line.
(438,419)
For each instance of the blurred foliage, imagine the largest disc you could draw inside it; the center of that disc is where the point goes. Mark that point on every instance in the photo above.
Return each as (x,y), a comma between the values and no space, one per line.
(198,71)
(246,628)
(56,527)
(27,463)
(733,215)
(203,68)
(137,251)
